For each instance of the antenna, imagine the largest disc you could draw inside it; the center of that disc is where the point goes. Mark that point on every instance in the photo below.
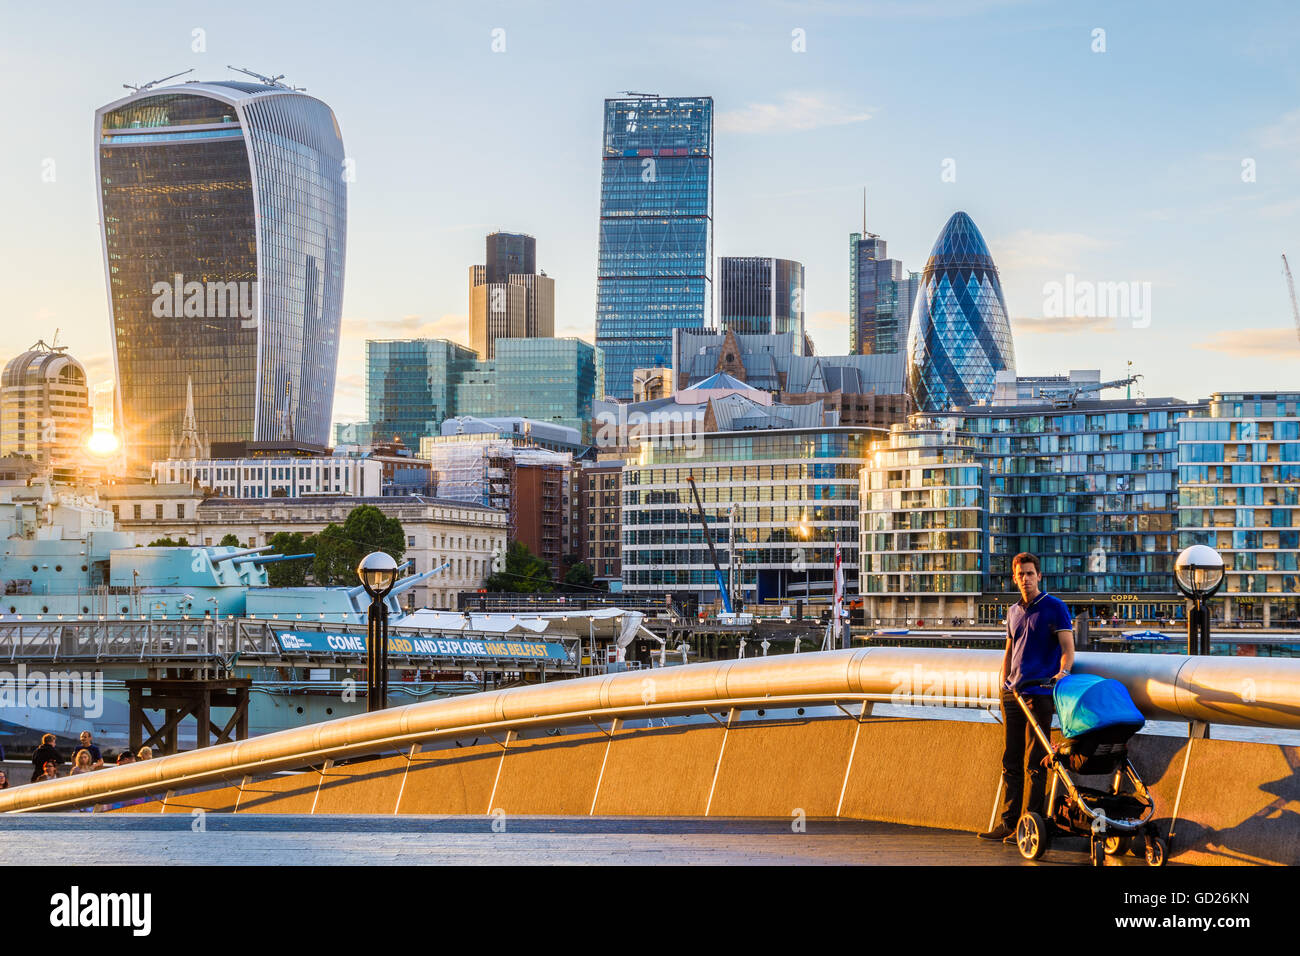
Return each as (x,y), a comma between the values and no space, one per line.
(268,80)
(153,83)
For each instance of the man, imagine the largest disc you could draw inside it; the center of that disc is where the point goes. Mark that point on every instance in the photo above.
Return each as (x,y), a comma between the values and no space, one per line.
(88,743)
(46,751)
(51,771)
(1040,646)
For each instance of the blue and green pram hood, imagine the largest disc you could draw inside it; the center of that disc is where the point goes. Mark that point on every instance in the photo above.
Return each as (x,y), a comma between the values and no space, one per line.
(1086,703)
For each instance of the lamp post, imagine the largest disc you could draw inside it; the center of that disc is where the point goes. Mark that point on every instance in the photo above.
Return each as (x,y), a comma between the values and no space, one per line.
(378,573)
(1198,571)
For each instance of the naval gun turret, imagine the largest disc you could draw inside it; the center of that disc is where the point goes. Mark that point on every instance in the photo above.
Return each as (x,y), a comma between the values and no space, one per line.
(335,605)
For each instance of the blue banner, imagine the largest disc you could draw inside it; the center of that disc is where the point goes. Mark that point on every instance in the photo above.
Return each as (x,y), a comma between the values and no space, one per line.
(324,642)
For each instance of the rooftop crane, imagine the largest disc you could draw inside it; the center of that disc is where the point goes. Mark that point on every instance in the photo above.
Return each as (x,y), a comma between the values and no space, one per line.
(722,581)
(1068,396)
(1290,285)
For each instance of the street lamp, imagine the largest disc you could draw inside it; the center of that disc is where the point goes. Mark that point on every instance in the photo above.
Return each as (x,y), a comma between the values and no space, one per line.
(378,573)
(804,531)
(1198,572)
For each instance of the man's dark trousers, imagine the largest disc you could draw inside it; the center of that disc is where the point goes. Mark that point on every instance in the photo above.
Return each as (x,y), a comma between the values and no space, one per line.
(1021,740)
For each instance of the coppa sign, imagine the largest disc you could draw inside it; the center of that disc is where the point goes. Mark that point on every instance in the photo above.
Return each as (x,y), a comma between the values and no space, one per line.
(323,642)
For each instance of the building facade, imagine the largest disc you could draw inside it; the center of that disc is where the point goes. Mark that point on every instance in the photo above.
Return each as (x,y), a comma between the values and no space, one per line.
(274,477)
(1239,493)
(45,411)
(655,259)
(508,299)
(409,386)
(600,519)
(795,497)
(881,296)
(948,501)
(224,223)
(545,379)
(761,296)
(960,335)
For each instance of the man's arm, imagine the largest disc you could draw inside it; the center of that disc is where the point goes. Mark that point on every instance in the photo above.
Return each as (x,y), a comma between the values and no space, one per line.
(1067,651)
(1006,666)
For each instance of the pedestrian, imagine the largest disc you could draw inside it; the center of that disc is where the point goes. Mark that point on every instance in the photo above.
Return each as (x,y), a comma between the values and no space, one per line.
(125,757)
(88,743)
(1040,647)
(145,753)
(43,753)
(50,771)
(4,780)
(81,762)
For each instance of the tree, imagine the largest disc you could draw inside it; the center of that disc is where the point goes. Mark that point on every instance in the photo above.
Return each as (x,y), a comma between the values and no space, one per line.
(169,543)
(524,572)
(290,574)
(579,577)
(340,548)
(230,541)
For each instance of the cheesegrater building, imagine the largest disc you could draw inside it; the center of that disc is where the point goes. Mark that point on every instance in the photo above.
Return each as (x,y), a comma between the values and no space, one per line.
(654,267)
(224,222)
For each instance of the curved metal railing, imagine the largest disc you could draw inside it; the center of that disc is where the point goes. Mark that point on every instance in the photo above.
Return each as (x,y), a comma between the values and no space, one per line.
(1260,692)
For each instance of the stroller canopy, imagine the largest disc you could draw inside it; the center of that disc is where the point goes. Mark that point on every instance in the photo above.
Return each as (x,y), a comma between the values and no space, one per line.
(1086,702)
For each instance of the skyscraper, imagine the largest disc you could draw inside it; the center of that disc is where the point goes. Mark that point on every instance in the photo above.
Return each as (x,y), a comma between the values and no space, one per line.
(758,296)
(507,298)
(224,222)
(654,268)
(881,296)
(960,336)
(510,254)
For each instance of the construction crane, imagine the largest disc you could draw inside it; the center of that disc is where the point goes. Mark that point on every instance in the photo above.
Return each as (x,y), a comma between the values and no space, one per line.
(1068,396)
(1290,285)
(152,83)
(708,538)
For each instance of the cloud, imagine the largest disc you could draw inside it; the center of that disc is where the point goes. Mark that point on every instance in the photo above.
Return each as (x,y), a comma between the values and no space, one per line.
(1054,251)
(448,326)
(1284,134)
(796,111)
(1253,343)
(1065,325)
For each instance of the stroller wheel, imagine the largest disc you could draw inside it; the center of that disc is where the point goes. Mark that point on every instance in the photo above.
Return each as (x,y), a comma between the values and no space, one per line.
(1157,851)
(1031,836)
(1118,845)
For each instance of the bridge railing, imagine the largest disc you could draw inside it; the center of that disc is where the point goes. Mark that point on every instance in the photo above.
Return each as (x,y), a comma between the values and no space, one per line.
(1244,691)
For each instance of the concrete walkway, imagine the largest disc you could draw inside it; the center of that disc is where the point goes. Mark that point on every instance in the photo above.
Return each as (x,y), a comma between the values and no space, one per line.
(120,839)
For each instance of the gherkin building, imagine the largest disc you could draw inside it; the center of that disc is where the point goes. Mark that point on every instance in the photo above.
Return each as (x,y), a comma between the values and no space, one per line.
(960,336)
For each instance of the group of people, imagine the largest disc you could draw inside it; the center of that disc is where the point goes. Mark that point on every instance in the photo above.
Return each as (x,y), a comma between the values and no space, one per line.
(46,759)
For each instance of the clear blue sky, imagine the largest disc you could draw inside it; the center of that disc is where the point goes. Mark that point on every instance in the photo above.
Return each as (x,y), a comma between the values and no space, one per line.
(1120,166)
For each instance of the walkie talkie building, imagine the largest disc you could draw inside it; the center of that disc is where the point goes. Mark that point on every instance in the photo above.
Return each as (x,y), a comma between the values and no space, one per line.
(223,210)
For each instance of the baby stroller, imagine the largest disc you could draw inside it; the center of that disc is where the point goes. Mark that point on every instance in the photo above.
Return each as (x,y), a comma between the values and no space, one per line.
(1098,718)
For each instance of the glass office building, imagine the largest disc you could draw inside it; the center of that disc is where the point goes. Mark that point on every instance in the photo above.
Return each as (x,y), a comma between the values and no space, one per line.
(795,493)
(960,335)
(409,384)
(654,267)
(1091,490)
(224,223)
(881,296)
(761,296)
(1239,493)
